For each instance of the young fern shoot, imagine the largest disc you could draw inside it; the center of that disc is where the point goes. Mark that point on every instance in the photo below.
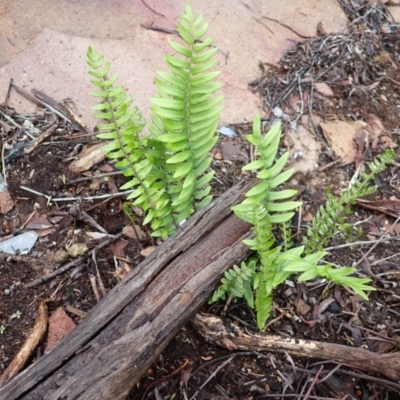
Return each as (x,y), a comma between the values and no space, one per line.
(270,175)
(329,219)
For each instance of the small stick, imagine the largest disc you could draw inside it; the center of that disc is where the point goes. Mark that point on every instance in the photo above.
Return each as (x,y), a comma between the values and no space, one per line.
(84,216)
(100,281)
(92,279)
(288,27)
(375,244)
(212,375)
(58,109)
(35,192)
(151,9)
(71,264)
(326,166)
(29,346)
(4,164)
(8,93)
(9,119)
(90,178)
(88,198)
(18,258)
(360,243)
(40,138)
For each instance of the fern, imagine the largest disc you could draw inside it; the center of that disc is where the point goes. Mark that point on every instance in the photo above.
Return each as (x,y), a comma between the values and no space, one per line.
(286,234)
(261,209)
(185,116)
(168,168)
(329,219)
(270,176)
(237,281)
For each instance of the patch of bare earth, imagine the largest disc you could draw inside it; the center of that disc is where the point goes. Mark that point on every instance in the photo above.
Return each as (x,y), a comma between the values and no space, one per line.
(349,77)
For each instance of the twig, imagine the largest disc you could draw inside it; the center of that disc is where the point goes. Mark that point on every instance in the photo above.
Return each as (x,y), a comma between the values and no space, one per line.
(92,279)
(18,258)
(165,377)
(8,93)
(307,395)
(32,146)
(360,243)
(375,244)
(9,119)
(27,220)
(384,259)
(87,198)
(326,166)
(290,29)
(71,264)
(265,26)
(85,217)
(58,109)
(35,192)
(100,281)
(212,375)
(3,163)
(90,178)
(151,9)
(28,347)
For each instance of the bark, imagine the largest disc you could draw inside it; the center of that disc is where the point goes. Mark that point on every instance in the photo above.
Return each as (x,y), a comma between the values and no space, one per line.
(120,338)
(225,334)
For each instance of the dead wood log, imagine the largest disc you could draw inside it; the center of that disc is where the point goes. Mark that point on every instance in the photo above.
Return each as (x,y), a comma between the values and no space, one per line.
(119,339)
(225,334)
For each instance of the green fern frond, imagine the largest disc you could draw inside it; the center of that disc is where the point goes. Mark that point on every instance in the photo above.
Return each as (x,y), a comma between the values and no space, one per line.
(286,234)
(309,270)
(329,219)
(185,115)
(263,304)
(237,281)
(271,176)
(121,128)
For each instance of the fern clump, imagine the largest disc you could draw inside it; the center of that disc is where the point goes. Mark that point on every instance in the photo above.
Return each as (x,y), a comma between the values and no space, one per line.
(169,173)
(168,169)
(263,208)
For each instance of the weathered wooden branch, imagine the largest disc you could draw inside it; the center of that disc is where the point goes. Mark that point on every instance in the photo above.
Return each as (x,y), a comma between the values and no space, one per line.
(221,332)
(120,338)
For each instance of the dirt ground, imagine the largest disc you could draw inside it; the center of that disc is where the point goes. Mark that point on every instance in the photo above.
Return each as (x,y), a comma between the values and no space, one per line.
(352,76)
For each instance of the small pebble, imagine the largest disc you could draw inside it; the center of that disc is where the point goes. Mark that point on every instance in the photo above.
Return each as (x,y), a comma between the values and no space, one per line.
(60,256)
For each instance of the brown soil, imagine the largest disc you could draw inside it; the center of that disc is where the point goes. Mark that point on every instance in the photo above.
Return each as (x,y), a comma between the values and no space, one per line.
(362,69)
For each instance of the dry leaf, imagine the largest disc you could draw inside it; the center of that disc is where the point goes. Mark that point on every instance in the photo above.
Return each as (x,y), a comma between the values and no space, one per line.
(147,251)
(90,155)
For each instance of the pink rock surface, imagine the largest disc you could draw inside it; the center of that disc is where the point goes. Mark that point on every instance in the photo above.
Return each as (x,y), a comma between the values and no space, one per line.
(44,44)
(60,324)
